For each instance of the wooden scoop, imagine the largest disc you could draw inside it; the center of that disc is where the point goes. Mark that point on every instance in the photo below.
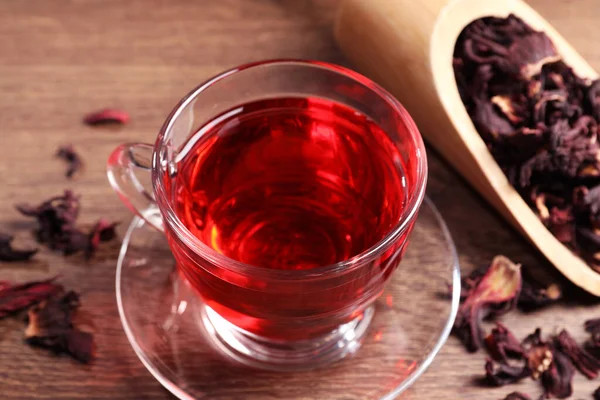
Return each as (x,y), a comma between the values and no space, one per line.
(407,46)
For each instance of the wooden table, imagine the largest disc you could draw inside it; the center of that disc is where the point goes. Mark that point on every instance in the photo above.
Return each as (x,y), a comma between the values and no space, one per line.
(61,59)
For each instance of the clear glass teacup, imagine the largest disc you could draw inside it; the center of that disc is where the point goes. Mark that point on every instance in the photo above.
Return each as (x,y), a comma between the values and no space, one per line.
(277,314)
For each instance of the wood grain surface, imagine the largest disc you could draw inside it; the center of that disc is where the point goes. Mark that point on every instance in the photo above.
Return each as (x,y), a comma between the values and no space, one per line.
(62,59)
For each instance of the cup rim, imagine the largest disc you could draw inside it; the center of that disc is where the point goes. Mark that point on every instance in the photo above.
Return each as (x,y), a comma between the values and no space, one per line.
(197,246)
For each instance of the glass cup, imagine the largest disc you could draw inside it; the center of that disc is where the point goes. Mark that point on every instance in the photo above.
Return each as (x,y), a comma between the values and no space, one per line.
(277,319)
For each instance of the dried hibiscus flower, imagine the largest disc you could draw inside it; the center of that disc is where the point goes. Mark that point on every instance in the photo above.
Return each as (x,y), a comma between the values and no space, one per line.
(57,228)
(585,362)
(494,294)
(532,296)
(56,218)
(50,326)
(7,253)
(107,116)
(501,344)
(540,122)
(75,164)
(558,379)
(14,298)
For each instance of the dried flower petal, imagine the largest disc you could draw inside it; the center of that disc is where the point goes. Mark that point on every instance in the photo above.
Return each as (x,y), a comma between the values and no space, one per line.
(75,164)
(504,374)
(489,122)
(530,53)
(107,116)
(557,380)
(50,326)
(583,361)
(495,294)
(7,253)
(502,345)
(535,297)
(14,298)
(56,222)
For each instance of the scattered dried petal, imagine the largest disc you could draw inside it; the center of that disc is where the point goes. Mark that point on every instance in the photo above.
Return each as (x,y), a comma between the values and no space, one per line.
(75,164)
(504,374)
(50,326)
(495,294)
(14,298)
(7,253)
(557,380)
(583,361)
(56,219)
(535,297)
(57,228)
(107,116)
(502,345)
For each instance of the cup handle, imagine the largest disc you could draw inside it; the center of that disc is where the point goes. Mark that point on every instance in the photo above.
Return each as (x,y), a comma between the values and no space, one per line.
(124,164)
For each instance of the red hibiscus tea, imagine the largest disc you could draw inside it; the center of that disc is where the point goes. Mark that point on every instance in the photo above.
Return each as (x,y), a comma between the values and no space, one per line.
(288,184)
(287,190)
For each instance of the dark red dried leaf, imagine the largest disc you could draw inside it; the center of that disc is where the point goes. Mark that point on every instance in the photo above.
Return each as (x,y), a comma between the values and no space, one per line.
(50,325)
(7,253)
(107,116)
(74,162)
(15,298)
(597,394)
(494,294)
(587,364)
(502,344)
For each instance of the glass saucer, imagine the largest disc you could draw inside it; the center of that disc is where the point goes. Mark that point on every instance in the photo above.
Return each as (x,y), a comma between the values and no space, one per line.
(412,320)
